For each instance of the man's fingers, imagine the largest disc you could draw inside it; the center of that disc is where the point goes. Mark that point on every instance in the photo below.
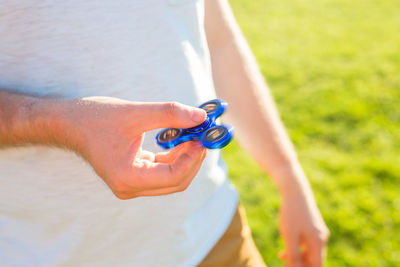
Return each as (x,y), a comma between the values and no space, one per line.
(293,254)
(169,156)
(179,188)
(169,115)
(169,174)
(315,253)
(147,155)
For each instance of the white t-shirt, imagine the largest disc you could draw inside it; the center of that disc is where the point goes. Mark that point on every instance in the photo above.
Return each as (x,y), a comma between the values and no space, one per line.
(54,210)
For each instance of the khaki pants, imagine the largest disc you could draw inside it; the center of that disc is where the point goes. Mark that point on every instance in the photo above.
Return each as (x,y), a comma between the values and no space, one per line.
(236,247)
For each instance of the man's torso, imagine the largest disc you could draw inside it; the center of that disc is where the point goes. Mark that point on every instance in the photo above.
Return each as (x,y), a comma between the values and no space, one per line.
(53,207)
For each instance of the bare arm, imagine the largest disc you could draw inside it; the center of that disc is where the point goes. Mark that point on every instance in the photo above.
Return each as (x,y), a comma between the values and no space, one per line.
(108,133)
(259,130)
(26,119)
(251,108)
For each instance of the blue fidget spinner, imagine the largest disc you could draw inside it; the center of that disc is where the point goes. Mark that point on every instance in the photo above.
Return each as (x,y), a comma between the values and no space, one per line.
(208,133)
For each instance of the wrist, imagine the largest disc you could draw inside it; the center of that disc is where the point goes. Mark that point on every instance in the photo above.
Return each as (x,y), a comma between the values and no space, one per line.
(291,181)
(64,124)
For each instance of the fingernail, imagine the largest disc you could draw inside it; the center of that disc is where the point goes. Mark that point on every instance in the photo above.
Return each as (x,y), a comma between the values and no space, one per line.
(198,115)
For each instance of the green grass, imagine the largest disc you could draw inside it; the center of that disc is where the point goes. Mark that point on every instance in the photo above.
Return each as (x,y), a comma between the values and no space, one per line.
(333,67)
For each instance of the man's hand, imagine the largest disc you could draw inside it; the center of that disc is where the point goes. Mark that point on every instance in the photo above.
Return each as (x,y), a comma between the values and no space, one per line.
(111,135)
(303,230)
(108,133)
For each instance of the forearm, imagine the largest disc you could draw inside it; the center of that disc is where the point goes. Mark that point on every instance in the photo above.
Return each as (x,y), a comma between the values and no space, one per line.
(251,110)
(253,113)
(31,120)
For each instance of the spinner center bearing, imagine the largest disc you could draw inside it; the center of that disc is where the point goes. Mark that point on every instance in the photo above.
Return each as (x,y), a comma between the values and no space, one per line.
(200,127)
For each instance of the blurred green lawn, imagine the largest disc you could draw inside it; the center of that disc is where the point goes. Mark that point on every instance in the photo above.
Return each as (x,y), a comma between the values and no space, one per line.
(333,67)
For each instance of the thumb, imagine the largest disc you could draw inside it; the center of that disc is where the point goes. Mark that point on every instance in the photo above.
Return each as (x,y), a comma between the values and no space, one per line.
(171,115)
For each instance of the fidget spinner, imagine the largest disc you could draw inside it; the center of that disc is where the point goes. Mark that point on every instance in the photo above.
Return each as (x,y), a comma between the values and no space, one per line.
(210,134)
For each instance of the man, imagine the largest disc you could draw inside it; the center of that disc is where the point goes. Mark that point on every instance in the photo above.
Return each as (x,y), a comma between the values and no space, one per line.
(55,58)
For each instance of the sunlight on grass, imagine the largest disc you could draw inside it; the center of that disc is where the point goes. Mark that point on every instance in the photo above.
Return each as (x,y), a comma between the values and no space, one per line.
(333,67)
